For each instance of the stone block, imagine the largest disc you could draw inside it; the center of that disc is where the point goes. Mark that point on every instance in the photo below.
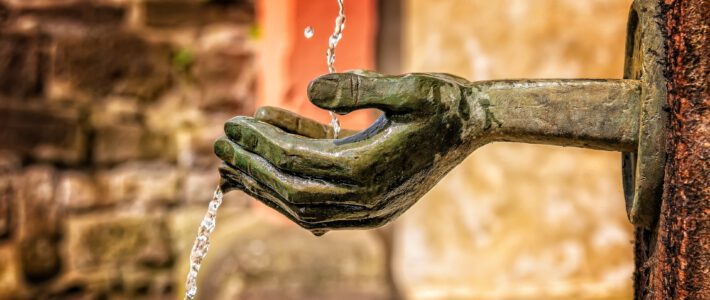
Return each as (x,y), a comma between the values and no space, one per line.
(77,191)
(117,143)
(39,213)
(39,257)
(22,64)
(38,223)
(10,162)
(57,18)
(41,132)
(143,184)
(7,195)
(118,63)
(11,284)
(180,13)
(115,110)
(4,13)
(119,133)
(125,142)
(106,242)
(63,15)
(228,79)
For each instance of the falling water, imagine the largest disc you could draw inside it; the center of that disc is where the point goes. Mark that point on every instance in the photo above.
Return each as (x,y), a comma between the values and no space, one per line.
(202,244)
(332,44)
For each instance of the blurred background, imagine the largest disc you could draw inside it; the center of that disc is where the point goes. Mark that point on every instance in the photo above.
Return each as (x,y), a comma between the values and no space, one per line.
(108,111)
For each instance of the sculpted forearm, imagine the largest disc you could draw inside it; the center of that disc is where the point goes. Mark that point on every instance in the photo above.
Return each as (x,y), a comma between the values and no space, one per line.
(597,114)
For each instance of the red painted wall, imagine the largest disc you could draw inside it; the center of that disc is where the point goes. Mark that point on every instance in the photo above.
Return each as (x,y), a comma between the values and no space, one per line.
(288,61)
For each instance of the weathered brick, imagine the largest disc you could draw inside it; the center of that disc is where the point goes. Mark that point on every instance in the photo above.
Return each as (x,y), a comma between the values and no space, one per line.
(119,135)
(181,13)
(10,162)
(145,184)
(40,258)
(7,195)
(22,64)
(230,76)
(38,223)
(41,132)
(117,62)
(110,241)
(39,212)
(120,143)
(115,110)
(11,284)
(77,191)
(55,13)
(4,13)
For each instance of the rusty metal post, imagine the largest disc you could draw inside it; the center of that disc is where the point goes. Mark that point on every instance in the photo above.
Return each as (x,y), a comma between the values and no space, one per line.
(673,257)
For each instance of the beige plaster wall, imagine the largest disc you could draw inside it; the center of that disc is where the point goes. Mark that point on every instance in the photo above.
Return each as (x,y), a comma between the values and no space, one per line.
(518,221)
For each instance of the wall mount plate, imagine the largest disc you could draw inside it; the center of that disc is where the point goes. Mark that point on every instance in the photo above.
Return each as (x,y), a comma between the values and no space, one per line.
(643,170)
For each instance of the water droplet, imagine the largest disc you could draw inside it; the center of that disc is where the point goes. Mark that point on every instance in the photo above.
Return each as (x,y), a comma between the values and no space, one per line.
(319,232)
(308,32)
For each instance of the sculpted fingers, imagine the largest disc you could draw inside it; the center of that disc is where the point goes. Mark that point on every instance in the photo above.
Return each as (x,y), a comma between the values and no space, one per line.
(292,153)
(296,124)
(307,216)
(295,190)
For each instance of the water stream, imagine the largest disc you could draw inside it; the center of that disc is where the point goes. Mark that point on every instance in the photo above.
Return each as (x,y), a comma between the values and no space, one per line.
(202,244)
(330,54)
(332,44)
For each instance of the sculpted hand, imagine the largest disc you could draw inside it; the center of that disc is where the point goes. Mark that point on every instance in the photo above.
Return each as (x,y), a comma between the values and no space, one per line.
(363,180)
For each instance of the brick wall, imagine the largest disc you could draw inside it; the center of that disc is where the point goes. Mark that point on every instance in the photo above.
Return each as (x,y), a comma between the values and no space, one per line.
(108,110)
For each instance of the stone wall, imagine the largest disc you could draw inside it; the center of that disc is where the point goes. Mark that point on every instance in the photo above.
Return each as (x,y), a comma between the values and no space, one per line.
(108,111)
(107,114)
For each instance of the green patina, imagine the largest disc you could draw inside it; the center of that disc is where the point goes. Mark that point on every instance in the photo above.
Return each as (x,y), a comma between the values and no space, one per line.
(431,122)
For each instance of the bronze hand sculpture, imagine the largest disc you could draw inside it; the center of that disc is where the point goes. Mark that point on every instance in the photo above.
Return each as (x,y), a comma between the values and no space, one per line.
(430,123)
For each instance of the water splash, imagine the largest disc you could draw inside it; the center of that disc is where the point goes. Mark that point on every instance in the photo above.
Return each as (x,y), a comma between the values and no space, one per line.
(332,44)
(202,244)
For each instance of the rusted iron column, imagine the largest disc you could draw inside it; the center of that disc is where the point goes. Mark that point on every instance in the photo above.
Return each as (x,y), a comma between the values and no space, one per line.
(673,258)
